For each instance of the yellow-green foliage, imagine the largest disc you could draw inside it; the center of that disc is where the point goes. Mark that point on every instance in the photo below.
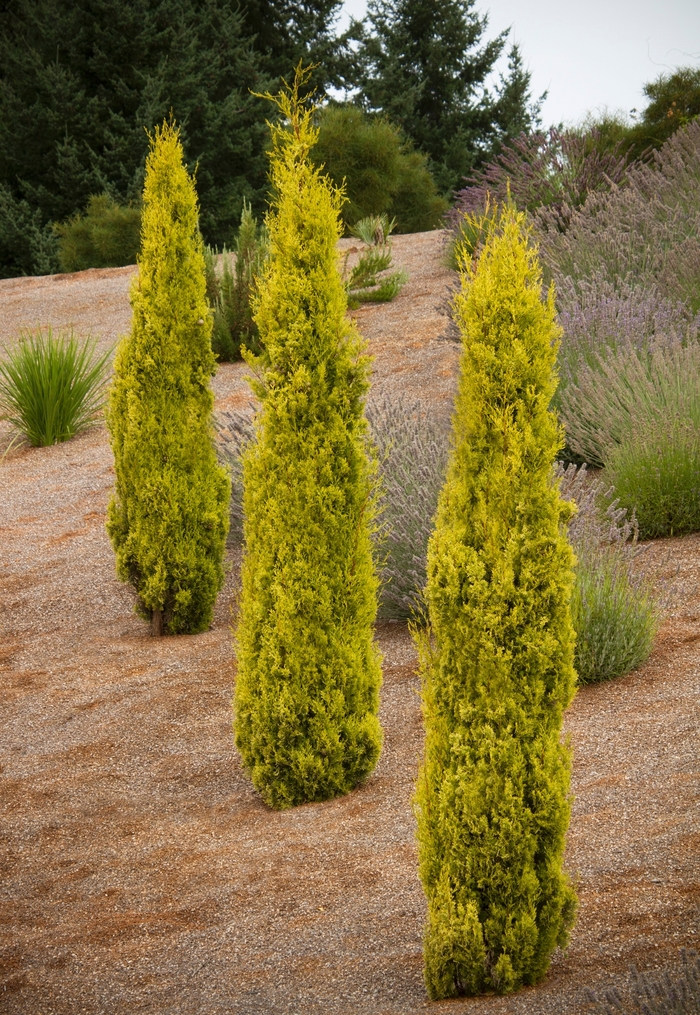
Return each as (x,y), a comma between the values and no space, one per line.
(307,688)
(169,517)
(497,659)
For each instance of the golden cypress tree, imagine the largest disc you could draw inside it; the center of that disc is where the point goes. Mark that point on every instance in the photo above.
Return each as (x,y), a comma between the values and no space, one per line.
(497,658)
(307,687)
(169,516)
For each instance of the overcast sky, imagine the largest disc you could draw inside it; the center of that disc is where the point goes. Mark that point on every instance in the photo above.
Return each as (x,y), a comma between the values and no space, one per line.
(592,54)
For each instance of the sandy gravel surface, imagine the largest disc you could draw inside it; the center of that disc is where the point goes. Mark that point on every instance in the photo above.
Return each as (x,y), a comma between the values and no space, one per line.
(140,871)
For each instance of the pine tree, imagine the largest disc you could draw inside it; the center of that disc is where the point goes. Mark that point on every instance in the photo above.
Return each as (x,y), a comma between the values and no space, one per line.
(497,660)
(421,67)
(169,517)
(307,686)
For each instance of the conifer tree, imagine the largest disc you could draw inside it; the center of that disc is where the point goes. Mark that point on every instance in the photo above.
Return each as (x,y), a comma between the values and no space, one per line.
(307,686)
(497,657)
(169,517)
(423,63)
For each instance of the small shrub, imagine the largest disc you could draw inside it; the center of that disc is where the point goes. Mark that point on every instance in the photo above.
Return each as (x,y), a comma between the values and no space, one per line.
(615,622)
(52,386)
(230,293)
(381,173)
(614,615)
(655,471)
(669,992)
(106,236)
(638,414)
(368,281)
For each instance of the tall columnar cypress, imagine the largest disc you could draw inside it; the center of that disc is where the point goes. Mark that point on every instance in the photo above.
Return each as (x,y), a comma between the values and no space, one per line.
(307,687)
(498,659)
(169,517)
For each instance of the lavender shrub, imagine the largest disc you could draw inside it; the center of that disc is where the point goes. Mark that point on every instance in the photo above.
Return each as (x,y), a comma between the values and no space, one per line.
(646,232)
(556,170)
(614,616)
(598,316)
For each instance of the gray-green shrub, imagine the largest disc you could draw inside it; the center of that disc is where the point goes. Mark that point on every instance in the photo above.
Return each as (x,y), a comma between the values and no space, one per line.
(52,386)
(614,614)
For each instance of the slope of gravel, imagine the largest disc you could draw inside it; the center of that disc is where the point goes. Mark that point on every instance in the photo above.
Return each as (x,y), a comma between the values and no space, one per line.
(141,872)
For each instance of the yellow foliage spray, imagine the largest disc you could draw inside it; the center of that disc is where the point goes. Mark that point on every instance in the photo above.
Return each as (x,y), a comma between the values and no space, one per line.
(497,659)
(307,686)
(169,516)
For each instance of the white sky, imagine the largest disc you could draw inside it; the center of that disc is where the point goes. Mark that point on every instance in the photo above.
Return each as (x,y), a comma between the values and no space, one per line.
(591,54)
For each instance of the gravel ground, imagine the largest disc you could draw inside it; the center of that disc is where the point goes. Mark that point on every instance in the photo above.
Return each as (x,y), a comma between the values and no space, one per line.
(142,873)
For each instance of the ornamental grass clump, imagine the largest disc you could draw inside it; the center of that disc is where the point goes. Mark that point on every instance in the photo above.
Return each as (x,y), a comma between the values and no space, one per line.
(52,387)
(307,684)
(497,657)
(169,515)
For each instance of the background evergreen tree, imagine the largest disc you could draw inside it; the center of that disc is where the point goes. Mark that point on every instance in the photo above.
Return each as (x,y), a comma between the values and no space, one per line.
(307,684)
(79,82)
(286,32)
(498,659)
(169,516)
(423,64)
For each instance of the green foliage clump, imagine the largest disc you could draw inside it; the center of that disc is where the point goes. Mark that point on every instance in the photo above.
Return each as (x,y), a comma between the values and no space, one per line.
(230,294)
(28,245)
(368,281)
(615,621)
(673,102)
(169,516)
(381,172)
(52,387)
(106,236)
(307,688)
(497,656)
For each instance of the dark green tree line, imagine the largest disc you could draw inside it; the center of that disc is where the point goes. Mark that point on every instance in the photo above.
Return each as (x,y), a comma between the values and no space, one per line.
(81,83)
